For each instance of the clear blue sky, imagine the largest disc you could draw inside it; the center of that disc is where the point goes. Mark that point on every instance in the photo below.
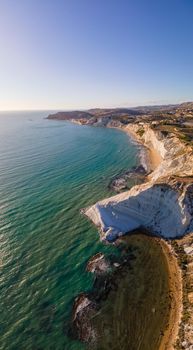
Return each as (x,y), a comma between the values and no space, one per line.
(65,54)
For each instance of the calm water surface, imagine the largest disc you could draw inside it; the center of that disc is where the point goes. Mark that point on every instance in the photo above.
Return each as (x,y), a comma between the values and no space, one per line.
(48,171)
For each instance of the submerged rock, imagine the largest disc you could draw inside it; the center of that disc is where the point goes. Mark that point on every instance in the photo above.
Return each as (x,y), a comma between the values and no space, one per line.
(135,176)
(83,311)
(98,264)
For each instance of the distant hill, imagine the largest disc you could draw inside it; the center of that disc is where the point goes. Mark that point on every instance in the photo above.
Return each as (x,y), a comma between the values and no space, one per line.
(110,112)
(95,112)
(70,115)
(187,105)
(156,108)
(163,108)
(120,114)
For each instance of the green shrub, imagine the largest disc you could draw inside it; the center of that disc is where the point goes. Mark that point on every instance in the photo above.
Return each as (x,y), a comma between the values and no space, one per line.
(140,132)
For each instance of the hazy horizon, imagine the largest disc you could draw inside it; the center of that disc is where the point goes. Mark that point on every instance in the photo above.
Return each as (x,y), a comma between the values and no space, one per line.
(93,107)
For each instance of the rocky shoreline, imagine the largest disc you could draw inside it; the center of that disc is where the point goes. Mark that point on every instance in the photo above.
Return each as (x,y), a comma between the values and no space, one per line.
(172,183)
(163,206)
(173,180)
(87,305)
(125,293)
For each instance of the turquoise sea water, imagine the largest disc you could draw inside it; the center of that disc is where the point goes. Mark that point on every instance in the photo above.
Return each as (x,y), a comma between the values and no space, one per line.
(48,171)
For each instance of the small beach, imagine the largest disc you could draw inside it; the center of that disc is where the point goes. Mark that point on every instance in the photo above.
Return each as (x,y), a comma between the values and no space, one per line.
(150,156)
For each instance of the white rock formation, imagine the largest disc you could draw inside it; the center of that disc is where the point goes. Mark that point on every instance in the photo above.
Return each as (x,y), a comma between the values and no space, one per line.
(164,205)
(158,208)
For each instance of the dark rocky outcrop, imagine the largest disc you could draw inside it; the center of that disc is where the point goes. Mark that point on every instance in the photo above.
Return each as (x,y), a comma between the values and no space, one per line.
(98,264)
(83,310)
(70,115)
(108,272)
(130,178)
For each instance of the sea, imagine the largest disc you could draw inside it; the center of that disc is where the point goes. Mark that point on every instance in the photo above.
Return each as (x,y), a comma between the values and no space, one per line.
(49,170)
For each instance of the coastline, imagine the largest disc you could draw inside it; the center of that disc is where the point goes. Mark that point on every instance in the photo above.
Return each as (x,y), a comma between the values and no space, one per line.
(175,273)
(151,159)
(170,336)
(149,155)
(163,207)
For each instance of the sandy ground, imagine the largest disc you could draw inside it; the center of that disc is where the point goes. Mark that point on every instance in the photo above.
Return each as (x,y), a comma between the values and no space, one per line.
(153,156)
(175,283)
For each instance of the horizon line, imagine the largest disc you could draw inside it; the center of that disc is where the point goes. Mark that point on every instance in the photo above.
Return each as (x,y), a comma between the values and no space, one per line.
(88,108)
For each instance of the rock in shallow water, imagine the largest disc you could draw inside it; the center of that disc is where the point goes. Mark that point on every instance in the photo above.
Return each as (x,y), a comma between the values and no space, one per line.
(135,176)
(83,311)
(98,264)
(108,272)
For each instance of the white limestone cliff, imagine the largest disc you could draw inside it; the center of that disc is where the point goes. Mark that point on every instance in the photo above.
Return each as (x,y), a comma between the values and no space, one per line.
(164,205)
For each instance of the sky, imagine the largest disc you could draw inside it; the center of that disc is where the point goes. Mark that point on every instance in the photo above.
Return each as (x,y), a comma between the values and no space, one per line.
(70,54)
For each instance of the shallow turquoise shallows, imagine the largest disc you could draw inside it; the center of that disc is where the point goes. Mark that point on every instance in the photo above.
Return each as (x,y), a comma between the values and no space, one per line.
(49,170)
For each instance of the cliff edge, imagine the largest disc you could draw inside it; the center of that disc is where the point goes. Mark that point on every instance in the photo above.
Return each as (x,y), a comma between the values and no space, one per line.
(163,205)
